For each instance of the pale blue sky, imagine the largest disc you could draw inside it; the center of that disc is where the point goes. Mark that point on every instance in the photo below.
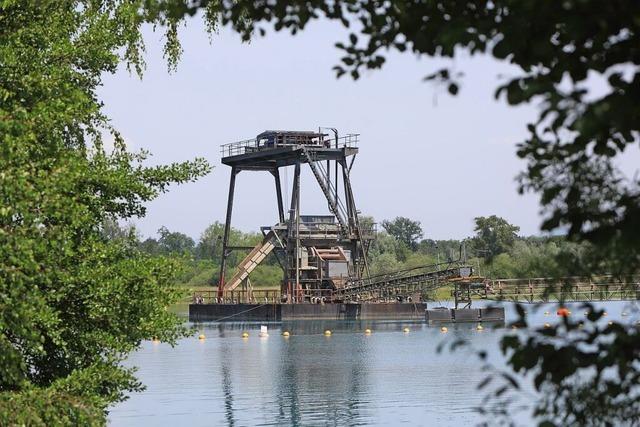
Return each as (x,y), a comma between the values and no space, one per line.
(425,155)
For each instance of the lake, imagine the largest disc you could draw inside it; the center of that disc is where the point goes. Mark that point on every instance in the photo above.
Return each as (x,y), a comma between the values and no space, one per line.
(387,378)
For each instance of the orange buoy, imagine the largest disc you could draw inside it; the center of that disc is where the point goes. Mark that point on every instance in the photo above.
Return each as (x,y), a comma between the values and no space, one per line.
(563,311)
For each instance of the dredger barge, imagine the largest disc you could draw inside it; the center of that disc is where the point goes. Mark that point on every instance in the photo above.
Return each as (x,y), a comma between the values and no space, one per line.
(323,257)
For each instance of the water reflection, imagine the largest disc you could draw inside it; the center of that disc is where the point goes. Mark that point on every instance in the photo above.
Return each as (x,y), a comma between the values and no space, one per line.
(348,378)
(227,388)
(322,382)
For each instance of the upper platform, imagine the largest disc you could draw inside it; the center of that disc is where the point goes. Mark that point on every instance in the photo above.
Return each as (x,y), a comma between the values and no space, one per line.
(276,148)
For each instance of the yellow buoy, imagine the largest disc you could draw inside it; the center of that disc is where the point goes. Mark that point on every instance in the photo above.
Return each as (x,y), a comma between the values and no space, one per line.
(285,334)
(245,335)
(201,337)
(605,314)
(586,313)
(581,325)
(406,330)
(479,327)
(444,329)
(610,323)
(327,333)
(367,331)
(514,326)
(546,325)
(546,313)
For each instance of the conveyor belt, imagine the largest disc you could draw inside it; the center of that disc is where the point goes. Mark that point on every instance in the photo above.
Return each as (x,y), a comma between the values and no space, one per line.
(255,257)
(422,278)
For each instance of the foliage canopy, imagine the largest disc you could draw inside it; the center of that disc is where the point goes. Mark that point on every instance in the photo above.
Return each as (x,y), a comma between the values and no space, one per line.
(73,302)
(494,236)
(404,230)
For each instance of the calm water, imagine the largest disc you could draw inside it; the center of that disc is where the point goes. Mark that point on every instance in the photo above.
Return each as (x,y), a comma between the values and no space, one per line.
(387,378)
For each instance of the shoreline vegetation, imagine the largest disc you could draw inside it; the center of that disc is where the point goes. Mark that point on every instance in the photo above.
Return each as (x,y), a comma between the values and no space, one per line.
(495,251)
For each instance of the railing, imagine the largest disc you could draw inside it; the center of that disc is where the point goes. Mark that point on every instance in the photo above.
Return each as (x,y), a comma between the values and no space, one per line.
(262,296)
(313,296)
(254,144)
(368,231)
(329,230)
(521,290)
(241,147)
(257,296)
(568,289)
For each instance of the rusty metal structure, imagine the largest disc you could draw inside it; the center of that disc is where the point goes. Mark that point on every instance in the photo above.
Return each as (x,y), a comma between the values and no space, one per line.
(319,254)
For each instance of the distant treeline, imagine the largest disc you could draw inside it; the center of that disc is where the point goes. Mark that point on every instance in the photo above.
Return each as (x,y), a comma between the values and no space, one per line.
(495,250)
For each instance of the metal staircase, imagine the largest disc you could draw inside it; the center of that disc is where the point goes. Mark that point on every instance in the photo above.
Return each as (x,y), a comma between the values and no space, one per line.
(256,256)
(321,177)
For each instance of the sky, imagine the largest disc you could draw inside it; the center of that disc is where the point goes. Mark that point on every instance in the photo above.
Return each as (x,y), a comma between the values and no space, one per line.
(424,154)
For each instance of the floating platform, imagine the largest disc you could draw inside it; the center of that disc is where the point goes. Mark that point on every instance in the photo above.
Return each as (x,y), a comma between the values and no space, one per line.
(283,312)
(460,315)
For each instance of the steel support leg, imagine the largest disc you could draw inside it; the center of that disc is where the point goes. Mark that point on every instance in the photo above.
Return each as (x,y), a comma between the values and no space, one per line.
(276,175)
(292,267)
(227,227)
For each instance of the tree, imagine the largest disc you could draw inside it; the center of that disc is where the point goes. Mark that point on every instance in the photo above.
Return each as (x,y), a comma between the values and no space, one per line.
(75,300)
(386,253)
(175,242)
(210,243)
(494,235)
(584,373)
(404,230)
(150,246)
(384,263)
(446,249)
(111,230)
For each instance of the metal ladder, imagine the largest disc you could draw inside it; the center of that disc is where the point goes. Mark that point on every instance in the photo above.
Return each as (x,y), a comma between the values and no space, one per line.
(322,181)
